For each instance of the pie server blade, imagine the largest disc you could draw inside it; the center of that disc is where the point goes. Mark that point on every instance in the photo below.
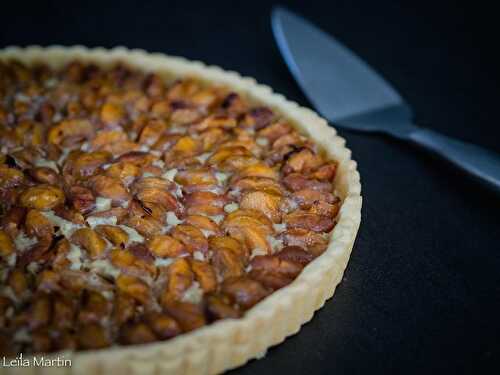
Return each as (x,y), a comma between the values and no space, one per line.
(350,94)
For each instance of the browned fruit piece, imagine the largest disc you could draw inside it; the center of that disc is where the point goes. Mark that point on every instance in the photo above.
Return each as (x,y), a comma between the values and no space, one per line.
(87,164)
(60,250)
(94,308)
(275,131)
(224,153)
(303,161)
(297,181)
(136,333)
(69,132)
(295,254)
(211,137)
(48,281)
(165,142)
(148,210)
(90,241)
(229,243)
(70,215)
(315,243)
(126,172)
(325,208)
(249,215)
(249,227)
(151,133)
(132,263)
(146,226)
(157,196)
(309,221)
(116,235)
(196,179)
(120,148)
(234,104)
(74,72)
(307,197)
(154,85)
(273,272)
(81,199)
(244,291)
(104,138)
(46,113)
(205,98)
(204,223)
(93,336)
(185,115)
(137,158)
(237,163)
(185,146)
(267,185)
(133,287)
(183,89)
(266,203)
(216,121)
(288,143)
(32,134)
(227,263)
(161,109)
(180,278)
(151,183)
(188,315)
(44,175)
(192,238)
(38,225)
(165,246)
(17,281)
(10,177)
(6,244)
(246,140)
(204,203)
(41,197)
(325,172)
(112,113)
(163,325)
(258,170)
(109,187)
(258,118)
(219,306)
(204,274)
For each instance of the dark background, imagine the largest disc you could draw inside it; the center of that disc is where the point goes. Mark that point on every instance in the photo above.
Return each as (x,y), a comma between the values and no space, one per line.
(421,293)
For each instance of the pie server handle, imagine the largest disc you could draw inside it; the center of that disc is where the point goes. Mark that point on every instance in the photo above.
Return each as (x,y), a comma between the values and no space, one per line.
(479,162)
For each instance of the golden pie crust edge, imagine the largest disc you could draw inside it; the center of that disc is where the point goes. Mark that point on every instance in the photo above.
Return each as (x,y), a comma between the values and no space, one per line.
(228,343)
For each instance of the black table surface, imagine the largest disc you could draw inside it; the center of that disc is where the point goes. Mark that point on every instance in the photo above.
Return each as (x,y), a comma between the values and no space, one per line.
(421,293)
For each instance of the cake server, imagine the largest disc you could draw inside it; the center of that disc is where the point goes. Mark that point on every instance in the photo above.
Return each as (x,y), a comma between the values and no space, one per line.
(350,94)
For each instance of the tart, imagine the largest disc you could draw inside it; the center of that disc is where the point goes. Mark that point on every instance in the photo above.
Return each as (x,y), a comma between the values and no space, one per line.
(161,215)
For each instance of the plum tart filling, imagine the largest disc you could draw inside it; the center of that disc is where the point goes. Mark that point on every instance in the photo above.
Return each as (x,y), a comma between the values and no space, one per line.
(135,208)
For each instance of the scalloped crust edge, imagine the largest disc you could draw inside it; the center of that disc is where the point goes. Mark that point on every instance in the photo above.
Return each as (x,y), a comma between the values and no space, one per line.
(229,343)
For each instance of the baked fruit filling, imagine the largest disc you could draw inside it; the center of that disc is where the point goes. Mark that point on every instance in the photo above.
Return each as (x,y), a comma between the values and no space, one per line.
(133,208)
